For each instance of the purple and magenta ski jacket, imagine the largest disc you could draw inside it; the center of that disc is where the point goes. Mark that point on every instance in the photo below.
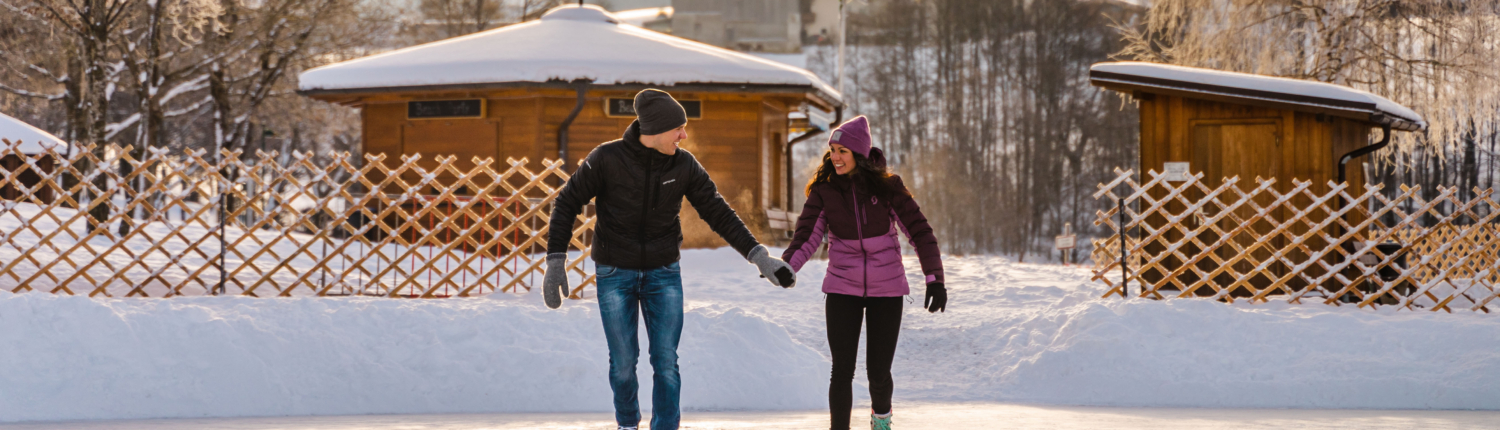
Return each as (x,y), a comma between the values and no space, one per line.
(864,254)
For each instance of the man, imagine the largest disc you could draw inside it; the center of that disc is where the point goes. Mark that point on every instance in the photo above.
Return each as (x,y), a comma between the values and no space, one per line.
(638,183)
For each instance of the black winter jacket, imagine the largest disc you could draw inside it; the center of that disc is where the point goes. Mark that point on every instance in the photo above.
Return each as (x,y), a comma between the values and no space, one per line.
(638,194)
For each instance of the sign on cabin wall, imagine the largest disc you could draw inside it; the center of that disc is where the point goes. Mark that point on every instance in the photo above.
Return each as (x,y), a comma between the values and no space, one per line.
(1176,171)
(625,108)
(444,109)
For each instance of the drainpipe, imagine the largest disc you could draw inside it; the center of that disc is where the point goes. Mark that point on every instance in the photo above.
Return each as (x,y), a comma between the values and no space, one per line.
(582,86)
(788,150)
(838,116)
(1344,161)
(1385,139)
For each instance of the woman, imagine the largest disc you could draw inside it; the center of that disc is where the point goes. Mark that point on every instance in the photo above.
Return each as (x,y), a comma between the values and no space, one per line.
(853,199)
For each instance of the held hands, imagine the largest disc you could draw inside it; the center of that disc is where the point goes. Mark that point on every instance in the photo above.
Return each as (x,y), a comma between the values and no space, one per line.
(937,297)
(555,283)
(777,271)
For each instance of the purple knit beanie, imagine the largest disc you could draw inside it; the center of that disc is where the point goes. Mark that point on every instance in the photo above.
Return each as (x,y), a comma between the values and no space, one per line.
(853,134)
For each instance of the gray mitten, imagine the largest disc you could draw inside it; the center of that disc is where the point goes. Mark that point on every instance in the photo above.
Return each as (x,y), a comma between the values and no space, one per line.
(555,283)
(773,268)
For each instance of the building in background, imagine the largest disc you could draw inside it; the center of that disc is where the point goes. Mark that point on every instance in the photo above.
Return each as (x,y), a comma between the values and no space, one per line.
(24,156)
(742,25)
(820,21)
(558,87)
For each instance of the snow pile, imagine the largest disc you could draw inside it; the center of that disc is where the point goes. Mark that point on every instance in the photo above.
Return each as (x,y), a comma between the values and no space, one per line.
(566,44)
(1013,332)
(80,358)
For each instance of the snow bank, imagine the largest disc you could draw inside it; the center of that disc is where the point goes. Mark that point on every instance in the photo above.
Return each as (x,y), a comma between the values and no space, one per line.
(1013,332)
(81,358)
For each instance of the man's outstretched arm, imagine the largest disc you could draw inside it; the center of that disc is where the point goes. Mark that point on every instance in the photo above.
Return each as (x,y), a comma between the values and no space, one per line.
(704,196)
(581,187)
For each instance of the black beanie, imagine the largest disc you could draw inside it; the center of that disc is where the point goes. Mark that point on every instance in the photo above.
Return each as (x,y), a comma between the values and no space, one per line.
(658,112)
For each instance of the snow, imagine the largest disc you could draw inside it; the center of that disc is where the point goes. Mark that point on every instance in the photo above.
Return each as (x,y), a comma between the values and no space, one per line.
(1013,332)
(639,17)
(1260,82)
(28,139)
(794,60)
(568,43)
(911,415)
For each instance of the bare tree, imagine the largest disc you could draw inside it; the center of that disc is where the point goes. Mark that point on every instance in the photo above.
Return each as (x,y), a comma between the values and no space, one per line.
(533,9)
(460,17)
(1437,57)
(985,109)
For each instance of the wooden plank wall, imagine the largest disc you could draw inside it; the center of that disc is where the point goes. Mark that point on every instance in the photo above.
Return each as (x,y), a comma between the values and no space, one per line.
(732,139)
(1174,128)
(1310,146)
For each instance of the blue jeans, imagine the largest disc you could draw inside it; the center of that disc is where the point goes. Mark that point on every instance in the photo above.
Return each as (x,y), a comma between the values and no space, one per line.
(657,295)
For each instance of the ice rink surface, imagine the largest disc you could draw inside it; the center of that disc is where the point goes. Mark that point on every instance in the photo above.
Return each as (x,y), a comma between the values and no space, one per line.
(955,416)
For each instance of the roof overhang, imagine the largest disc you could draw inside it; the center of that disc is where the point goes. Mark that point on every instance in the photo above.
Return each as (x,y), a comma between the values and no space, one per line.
(348,96)
(1357,110)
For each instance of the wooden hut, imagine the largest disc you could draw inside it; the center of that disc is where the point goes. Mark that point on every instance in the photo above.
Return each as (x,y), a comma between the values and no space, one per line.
(27,142)
(1227,124)
(556,87)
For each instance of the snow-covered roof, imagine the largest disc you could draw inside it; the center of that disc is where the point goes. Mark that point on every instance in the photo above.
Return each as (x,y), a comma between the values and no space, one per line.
(30,140)
(566,44)
(1287,93)
(639,17)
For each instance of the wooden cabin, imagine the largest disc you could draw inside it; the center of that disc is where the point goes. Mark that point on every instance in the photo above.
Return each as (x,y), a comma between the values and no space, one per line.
(1227,124)
(19,142)
(557,87)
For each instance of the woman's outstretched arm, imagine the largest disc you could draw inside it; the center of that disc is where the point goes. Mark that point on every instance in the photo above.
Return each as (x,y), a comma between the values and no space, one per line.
(811,229)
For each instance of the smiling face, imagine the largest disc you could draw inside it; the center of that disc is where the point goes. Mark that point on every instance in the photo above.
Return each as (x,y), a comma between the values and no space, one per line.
(842,158)
(665,143)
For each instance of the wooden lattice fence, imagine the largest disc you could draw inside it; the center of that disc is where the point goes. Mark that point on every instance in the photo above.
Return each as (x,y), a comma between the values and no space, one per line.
(1262,242)
(106,223)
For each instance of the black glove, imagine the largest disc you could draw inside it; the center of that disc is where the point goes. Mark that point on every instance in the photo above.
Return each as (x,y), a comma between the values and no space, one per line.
(772,268)
(784,276)
(937,297)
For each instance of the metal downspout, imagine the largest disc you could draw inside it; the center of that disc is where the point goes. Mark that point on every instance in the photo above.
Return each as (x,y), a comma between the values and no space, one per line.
(582,86)
(1344,161)
(790,189)
(1385,139)
(838,116)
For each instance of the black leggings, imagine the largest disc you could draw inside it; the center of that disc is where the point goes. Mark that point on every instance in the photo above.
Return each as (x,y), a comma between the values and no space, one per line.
(844,314)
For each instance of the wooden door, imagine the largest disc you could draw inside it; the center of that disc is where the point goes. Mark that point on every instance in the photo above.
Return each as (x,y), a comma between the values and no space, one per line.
(1246,149)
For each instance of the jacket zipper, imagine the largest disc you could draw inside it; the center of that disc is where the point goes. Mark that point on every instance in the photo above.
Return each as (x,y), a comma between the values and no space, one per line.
(859,230)
(646,208)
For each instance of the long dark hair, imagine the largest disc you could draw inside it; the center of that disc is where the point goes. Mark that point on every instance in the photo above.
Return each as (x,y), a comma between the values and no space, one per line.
(868,174)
